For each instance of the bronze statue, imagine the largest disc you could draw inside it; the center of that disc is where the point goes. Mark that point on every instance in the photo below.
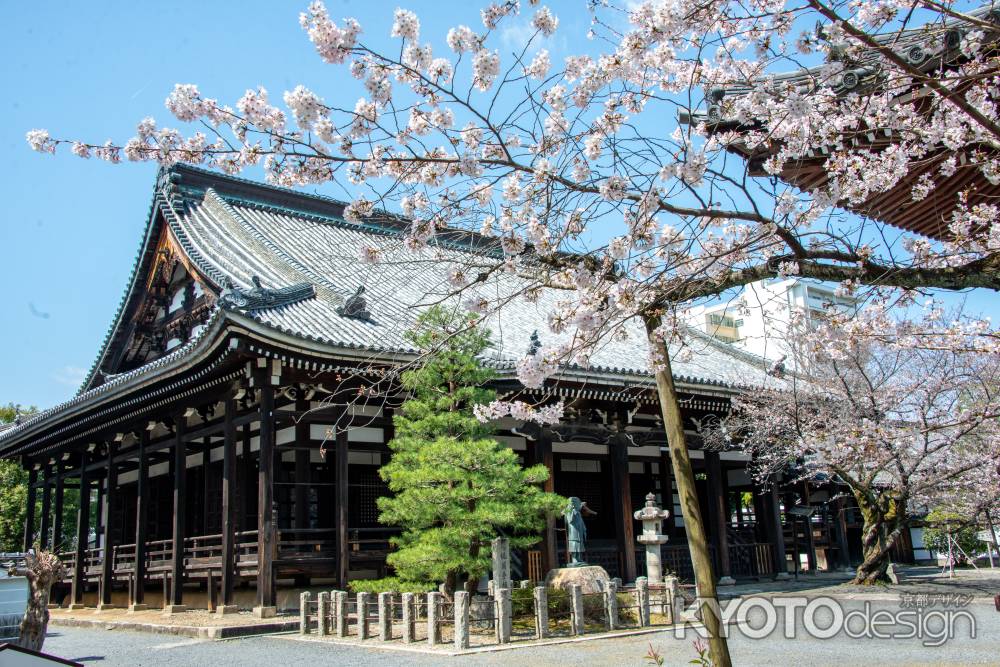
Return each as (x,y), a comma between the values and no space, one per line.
(576,530)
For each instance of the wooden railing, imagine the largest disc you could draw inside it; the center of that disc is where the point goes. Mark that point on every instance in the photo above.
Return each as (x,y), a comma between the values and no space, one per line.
(751,560)
(203,553)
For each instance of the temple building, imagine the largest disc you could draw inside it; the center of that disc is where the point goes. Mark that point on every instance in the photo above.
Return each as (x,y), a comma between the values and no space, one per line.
(228,438)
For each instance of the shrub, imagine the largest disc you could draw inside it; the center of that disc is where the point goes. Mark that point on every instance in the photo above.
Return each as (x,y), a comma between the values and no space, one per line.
(390,585)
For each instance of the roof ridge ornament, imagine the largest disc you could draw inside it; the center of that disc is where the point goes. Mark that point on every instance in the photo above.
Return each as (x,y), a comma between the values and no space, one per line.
(356,307)
(262,298)
(534,344)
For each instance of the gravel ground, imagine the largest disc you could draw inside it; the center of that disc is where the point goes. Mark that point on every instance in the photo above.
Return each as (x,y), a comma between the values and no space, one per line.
(135,648)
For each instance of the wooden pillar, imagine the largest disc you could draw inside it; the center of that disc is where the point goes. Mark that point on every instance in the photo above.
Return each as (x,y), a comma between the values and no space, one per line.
(29,517)
(57,520)
(45,537)
(342,491)
(99,528)
(543,456)
(667,493)
(228,487)
(718,512)
(265,506)
(180,512)
(141,512)
(840,534)
(82,533)
(776,532)
(810,538)
(206,465)
(108,553)
(621,490)
(302,468)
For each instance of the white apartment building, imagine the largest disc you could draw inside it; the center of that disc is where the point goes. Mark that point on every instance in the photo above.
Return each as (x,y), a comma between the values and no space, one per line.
(760,317)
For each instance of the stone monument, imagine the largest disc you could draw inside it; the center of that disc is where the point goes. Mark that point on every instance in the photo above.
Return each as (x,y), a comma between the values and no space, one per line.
(652,517)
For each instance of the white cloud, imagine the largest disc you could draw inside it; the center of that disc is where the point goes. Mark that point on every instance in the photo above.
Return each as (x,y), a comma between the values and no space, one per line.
(515,35)
(72,376)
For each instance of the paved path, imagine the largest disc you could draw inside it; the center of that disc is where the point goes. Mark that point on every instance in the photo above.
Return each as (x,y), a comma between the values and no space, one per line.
(102,647)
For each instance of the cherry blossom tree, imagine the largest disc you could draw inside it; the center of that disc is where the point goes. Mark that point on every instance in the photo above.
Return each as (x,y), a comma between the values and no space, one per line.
(906,428)
(608,175)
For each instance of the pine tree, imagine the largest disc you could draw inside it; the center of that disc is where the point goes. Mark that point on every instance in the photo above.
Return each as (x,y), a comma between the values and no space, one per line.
(455,488)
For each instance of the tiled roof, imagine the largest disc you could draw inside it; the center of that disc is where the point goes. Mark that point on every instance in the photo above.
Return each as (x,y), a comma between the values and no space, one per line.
(233,230)
(238,239)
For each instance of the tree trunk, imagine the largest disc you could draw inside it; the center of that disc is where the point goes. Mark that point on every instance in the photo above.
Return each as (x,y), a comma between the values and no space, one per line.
(42,570)
(694,526)
(879,532)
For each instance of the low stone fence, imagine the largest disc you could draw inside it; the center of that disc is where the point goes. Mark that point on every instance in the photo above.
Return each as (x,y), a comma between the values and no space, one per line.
(507,615)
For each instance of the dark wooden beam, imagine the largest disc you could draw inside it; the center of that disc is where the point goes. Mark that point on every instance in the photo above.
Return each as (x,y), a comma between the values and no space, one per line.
(82,534)
(108,549)
(776,533)
(718,511)
(206,464)
(265,505)
(840,533)
(810,537)
(29,517)
(667,492)
(301,469)
(180,508)
(141,512)
(621,490)
(228,487)
(44,529)
(343,548)
(543,455)
(57,523)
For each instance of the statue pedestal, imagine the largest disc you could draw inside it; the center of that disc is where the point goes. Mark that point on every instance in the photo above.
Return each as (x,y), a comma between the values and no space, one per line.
(590,578)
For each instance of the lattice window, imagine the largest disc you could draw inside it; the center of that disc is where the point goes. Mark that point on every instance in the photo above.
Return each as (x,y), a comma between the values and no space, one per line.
(366,487)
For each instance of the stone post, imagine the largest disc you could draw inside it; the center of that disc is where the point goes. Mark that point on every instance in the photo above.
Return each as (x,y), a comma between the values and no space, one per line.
(340,613)
(433,618)
(541,595)
(504,612)
(673,590)
(501,564)
(461,620)
(323,612)
(525,583)
(652,518)
(642,595)
(409,618)
(611,605)
(576,608)
(304,601)
(385,616)
(362,614)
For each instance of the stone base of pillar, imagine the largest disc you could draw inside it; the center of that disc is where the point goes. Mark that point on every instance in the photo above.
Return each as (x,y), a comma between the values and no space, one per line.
(225,609)
(171,609)
(782,576)
(74,606)
(265,612)
(105,607)
(726,581)
(132,608)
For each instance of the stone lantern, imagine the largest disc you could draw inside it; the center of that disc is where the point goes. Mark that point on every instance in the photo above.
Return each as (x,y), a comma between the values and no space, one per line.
(652,517)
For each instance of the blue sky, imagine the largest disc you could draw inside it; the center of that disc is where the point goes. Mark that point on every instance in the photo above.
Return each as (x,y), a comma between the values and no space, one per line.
(70,228)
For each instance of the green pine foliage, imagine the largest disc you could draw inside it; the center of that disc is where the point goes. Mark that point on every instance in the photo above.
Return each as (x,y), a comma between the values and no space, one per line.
(455,488)
(13,491)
